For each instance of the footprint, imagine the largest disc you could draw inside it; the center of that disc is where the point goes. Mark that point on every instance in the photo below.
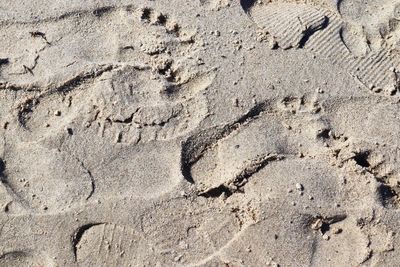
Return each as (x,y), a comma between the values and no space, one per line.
(365,118)
(73,43)
(372,144)
(110,245)
(128,105)
(320,31)
(187,235)
(377,21)
(288,217)
(143,171)
(125,230)
(221,159)
(170,233)
(384,241)
(23,258)
(131,118)
(238,155)
(44,179)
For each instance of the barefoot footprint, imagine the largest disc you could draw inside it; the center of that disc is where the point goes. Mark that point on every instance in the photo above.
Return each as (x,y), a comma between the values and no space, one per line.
(74,43)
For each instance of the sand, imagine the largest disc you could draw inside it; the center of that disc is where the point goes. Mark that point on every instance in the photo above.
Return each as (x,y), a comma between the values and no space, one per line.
(199,133)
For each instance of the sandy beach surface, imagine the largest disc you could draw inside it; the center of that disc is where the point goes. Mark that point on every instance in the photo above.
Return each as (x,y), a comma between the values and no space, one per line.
(199,133)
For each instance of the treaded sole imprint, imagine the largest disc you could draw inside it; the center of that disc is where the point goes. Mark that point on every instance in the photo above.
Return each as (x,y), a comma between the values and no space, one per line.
(320,31)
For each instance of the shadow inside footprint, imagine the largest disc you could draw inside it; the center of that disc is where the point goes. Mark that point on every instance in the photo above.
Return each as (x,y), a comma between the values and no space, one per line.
(2,168)
(247,4)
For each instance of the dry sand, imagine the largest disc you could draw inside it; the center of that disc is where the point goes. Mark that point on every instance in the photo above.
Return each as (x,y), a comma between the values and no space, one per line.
(199,133)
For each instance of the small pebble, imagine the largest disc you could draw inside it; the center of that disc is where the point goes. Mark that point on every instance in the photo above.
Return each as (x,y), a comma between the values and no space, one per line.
(326,237)
(337,231)
(177,258)
(317,224)
(299,187)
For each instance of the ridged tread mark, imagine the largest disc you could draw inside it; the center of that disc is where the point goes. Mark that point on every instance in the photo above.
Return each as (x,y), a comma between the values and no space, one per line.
(375,70)
(294,25)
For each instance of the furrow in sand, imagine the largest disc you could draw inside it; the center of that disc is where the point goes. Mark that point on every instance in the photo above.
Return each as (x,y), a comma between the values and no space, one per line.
(320,43)
(294,36)
(265,15)
(290,27)
(385,65)
(353,63)
(334,49)
(370,62)
(280,28)
(370,66)
(278,23)
(344,58)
